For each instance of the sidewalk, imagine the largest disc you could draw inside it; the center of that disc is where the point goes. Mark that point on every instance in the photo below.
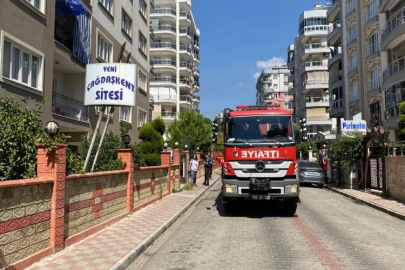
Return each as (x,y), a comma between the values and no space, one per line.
(120,244)
(386,205)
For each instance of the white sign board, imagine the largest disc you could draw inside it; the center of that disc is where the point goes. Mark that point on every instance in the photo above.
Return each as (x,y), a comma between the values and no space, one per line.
(111,84)
(354,126)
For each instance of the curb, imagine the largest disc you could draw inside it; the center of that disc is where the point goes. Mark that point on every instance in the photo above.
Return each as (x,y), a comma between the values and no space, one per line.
(131,256)
(370,204)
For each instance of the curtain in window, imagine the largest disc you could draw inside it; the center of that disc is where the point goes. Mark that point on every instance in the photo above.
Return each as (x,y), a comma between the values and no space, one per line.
(81,38)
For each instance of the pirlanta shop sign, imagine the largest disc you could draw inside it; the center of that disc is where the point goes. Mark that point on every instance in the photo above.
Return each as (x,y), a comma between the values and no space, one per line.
(350,127)
(110,84)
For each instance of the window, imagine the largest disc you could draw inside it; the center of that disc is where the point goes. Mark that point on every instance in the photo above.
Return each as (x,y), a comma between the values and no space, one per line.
(373,44)
(351,35)
(37,5)
(142,80)
(104,49)
(108,4)
(354,94)
(126,24)
(142,43)
(275,86)
(21,65)
(371,10)
(353,62)
(349,6)
(125,114)
(275,77)
(143,7)
(106,111)
(142,117)
(374,79)
(375,108)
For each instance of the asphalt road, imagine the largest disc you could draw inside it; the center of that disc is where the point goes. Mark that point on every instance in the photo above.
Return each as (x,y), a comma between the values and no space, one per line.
(328,232)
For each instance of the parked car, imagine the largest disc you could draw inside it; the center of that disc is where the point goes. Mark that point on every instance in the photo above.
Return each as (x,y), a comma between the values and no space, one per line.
(310,172)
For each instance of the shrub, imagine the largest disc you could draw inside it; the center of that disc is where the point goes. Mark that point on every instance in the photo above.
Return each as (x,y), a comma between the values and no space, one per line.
(346,150)
(159,125)
(401,121)
(304,148)
(151,144)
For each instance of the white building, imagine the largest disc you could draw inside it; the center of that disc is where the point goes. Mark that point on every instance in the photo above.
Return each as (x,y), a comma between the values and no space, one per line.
(174,57)
(308,62)
(272,87)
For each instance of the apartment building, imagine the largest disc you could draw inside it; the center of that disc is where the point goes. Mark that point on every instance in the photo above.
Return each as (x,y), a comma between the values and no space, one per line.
(174,59)
(45,46)
(308,62)
(272,87)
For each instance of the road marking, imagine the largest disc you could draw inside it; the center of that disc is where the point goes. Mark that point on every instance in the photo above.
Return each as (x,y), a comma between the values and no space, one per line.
(320,249)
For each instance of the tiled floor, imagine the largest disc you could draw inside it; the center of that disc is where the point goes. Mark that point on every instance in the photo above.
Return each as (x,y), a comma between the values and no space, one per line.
(104,249)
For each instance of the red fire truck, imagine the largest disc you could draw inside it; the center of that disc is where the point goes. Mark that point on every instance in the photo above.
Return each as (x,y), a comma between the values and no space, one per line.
(259,156)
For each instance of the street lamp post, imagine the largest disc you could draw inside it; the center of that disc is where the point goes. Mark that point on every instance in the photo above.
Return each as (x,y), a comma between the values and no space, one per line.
(52,129)
(126,139)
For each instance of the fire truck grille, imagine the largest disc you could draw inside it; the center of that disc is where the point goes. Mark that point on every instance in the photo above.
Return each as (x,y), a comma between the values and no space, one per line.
(253,162)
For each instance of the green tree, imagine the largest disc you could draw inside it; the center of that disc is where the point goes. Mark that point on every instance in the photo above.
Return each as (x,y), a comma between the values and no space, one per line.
(21,128)
(401,121)
(297,132)
(193,126)
(304,148)
(346,150)
(152,142)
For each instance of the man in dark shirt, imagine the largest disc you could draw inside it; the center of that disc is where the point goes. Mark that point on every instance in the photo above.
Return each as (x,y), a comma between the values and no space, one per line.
(208,168)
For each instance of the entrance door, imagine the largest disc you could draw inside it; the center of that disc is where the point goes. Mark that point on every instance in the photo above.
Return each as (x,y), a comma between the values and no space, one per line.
(376,172)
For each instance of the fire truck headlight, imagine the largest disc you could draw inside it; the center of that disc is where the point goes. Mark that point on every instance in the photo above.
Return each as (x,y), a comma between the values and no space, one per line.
(231,189)
(291,189)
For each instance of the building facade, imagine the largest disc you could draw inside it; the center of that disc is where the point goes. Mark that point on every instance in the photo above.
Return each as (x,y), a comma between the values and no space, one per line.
(44,49)
(174,59)
(272,87)
(308,60)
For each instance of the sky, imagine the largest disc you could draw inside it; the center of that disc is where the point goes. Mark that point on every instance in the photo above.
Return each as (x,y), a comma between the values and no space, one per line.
(238,39)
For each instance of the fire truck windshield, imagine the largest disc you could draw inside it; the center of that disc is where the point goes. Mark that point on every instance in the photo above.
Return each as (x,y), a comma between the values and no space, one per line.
(260,129)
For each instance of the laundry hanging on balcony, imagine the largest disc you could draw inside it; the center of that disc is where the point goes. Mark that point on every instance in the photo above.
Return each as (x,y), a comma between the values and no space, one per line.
(81,38)
(69,7)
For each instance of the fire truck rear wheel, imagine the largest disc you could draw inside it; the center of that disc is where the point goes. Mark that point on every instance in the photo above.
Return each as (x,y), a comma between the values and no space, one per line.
(290,207)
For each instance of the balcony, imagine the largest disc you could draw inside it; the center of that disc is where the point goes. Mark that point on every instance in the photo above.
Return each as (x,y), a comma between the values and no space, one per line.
(196,60)
(267,90)
(373,51)
(163,64)
(315,102)
(335,34)
(168,116)
(186,101)
(186,49)
(291,77)
(164,95)
(164,13)
(185,16)
(394,73)
(163,80)
(314,66)
(164,29)
(291,90)
(196,72)
(185,83)
(313,31)
(338,56)
(334,11)
(163,46)
(337,108)
(387,5)
(184,65)
(316,48)
(69,108)
(392,112)
(393,33)
(185,32)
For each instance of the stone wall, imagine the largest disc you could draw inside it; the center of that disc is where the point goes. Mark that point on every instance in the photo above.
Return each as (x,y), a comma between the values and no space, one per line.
(174,177)
(396,177)
(92,199)
(150,183)
(25,213)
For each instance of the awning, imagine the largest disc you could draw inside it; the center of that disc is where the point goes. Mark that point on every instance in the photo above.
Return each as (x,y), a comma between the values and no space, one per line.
(69,7)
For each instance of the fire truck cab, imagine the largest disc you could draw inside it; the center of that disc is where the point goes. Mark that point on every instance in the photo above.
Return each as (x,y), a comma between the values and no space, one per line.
(259,156)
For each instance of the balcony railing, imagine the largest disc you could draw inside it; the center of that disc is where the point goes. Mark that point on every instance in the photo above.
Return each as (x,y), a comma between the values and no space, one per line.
(196,97)
(315,64)
(184,14)
(371,14)
(186,98)
(185,31)
(158,45)
(166,27)
(151,99)
(314,28)
(185,81)
(163,62)
(374,84)
(392,111)
(168,114)
(373,48)
(396,20)
(197,71)
(70,108)
(334,26)
(197,84)
(185,48)
(317,99)
(163,79)
(395,67)
(63,35)
(185,64)
(164,11)
(162,96)
(196,57)
(313,46)
(337,104)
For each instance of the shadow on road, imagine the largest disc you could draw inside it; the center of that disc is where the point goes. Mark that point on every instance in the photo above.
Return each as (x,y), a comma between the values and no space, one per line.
(252,209)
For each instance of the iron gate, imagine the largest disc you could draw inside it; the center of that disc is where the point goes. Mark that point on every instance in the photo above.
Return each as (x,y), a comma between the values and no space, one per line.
(376,172)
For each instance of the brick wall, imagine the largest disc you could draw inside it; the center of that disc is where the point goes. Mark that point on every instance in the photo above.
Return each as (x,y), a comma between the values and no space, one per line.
(395,177)
(25,213)
(92,199)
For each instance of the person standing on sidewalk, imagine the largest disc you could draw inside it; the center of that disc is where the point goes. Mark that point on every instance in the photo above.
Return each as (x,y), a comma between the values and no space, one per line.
(194,168)
(325,167)
(208,167)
